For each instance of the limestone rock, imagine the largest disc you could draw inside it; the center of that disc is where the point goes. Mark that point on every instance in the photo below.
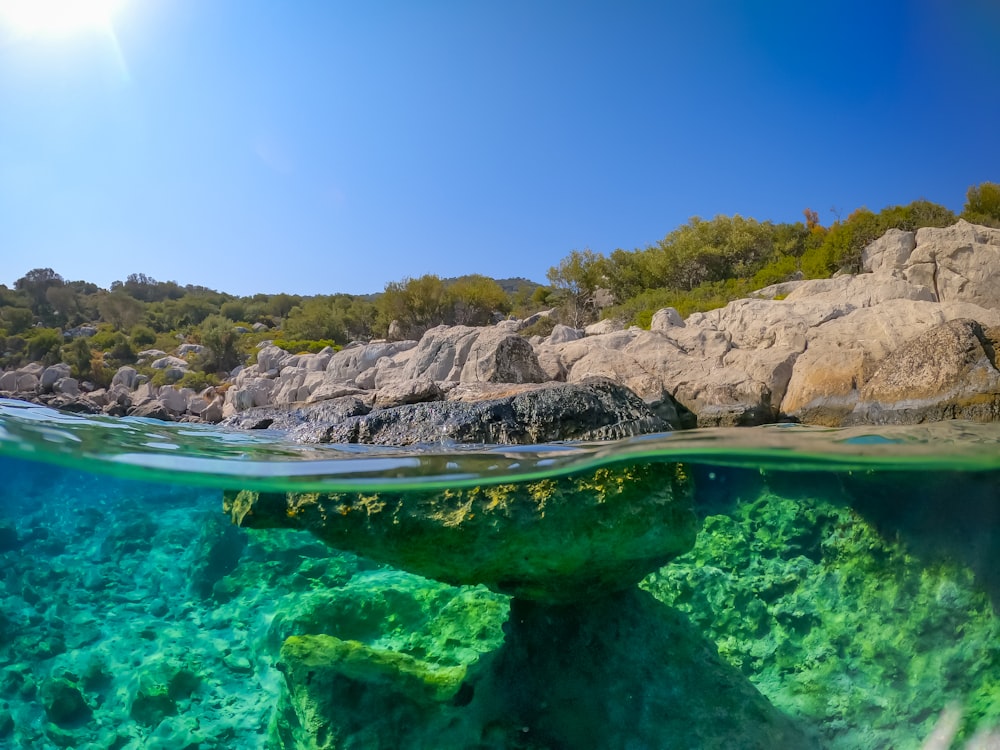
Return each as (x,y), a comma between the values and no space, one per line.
(889,253)
(608,325)
(127,377)
(51,374)
(561,334)
(466,354)
(350,362)
(169,363)
(666,318)
(282,418)
(295,384)
(271,358)
(67,387)
(408,392)
(8,381)
(948,372)
(959,263)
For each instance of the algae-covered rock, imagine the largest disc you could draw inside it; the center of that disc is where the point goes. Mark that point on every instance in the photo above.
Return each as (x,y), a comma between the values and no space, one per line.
(558,540)
(64,703)
(863,632)
(622,671)
(413,678)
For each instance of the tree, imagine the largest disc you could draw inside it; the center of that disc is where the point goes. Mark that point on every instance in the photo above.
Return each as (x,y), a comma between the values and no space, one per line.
(16,319)
(415,304)
(317,318)
(35,284)
(44,346)
(79,356)
(575,279)
(982,204)
(221,340)
(120,310)
(65,303)
(474,299)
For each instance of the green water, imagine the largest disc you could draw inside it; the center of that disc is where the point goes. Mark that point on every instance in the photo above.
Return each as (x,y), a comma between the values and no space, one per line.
(841,592)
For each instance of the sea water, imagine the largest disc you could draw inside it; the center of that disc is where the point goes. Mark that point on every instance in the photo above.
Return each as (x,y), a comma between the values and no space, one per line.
(843,585)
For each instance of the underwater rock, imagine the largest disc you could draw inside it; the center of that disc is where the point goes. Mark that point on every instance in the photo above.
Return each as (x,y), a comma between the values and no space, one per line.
(555,540)
(64,703)
(622,671)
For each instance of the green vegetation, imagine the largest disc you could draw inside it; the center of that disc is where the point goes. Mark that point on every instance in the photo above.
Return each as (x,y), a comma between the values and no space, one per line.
(803,593)
(698,266)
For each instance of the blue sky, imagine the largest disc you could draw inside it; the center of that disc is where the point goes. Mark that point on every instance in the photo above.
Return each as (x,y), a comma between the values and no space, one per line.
(319,147)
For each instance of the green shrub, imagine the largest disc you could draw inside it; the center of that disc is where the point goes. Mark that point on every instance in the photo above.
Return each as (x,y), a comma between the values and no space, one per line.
(45,345)
(197,380)
(105,338)
(541,327)
(16,319)
(142,336)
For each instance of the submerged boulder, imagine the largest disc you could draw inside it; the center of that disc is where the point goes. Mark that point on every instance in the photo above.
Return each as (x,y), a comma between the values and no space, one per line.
(555,540)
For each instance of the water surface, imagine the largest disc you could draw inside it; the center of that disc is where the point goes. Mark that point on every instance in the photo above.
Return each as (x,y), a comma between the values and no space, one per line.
(851,576)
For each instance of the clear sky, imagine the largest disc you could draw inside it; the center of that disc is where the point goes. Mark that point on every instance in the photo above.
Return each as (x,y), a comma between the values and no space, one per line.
(319,147)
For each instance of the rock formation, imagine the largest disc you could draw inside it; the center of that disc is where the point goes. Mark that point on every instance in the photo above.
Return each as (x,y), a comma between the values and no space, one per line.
(570,550)
(800,350)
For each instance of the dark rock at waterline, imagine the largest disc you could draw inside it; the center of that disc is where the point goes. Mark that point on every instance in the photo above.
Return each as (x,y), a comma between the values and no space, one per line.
(598,409)
(595,410)
(307,417)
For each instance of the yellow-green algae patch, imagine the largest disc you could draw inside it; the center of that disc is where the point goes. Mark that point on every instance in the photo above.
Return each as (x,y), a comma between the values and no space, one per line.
(558,539)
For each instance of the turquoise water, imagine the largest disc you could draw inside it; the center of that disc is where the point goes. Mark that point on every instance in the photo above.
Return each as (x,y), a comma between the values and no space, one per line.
(839,590)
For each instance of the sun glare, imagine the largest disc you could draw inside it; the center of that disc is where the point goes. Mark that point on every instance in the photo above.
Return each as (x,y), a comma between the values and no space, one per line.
(56,17)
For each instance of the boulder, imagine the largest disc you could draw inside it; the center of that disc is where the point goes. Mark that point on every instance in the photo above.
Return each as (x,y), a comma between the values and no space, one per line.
(175,400)
(561,334)
(309,416)
(889,253)
(126,376)
(295,384)
(8,381)
(67,387)
(26,382)
(271,358)
(550,541)
(517,414)
(959,263)
(608,325)
(408,392)
(350,362)
(153,409)
(948,372)
(170,363)
(465,354)
(254,392)
(51,374)
(186,349)
(665,319)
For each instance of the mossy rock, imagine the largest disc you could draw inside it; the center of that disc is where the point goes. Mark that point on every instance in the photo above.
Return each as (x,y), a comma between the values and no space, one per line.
(560,539)
(64,703)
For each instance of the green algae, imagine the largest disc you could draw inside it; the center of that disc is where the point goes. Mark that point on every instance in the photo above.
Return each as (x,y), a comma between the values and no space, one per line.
(838,624)
(561,539)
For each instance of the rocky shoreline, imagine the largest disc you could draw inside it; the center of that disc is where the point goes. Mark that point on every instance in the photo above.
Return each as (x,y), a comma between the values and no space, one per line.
(911,339)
